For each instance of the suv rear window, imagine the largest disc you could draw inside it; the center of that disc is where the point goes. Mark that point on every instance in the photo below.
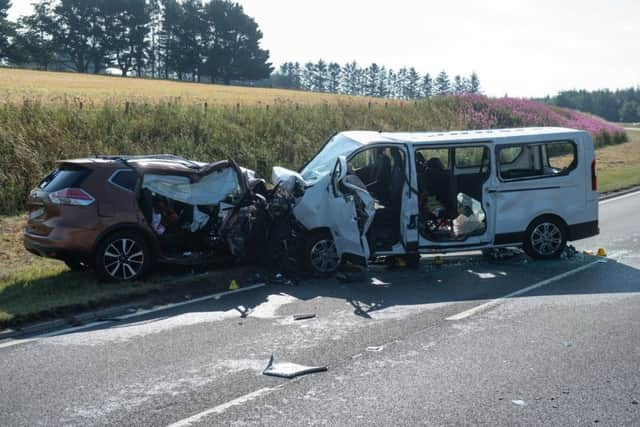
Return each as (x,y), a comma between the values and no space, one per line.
(64,177)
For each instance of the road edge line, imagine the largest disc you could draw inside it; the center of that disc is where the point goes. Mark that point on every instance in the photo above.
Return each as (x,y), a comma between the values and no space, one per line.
(138,313)
(619,196)
(497,301)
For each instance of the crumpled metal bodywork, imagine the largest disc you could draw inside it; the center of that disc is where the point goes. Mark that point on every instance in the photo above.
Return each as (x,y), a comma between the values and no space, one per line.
(337,203)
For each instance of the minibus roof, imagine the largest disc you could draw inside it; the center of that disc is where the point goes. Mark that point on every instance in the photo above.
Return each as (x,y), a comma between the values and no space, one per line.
(488,135)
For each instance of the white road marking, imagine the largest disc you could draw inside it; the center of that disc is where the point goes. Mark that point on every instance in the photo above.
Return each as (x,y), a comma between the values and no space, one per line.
(12,343)
(498,301)
(223,407)
(615,199)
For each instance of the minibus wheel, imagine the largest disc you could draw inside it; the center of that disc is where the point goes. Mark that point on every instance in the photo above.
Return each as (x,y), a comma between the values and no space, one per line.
(546,238)
(321,254)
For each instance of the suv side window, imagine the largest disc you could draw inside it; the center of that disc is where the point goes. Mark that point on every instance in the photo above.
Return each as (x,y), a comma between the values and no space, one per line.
(125,179)
(537,160)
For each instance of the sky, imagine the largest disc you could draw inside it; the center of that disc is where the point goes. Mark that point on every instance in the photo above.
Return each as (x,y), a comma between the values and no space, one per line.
(518,48)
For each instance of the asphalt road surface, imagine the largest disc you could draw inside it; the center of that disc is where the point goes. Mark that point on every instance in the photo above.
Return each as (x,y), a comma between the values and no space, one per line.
(428,346)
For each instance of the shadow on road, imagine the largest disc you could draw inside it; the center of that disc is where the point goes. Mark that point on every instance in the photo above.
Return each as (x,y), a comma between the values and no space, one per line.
(460,279)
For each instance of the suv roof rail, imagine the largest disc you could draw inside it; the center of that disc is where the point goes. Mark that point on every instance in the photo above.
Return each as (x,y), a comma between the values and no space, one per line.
(125,159)
(140,157)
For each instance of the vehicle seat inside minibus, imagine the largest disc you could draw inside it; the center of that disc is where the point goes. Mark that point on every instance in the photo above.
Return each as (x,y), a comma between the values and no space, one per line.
(436,180)
(381,176)
(385,230)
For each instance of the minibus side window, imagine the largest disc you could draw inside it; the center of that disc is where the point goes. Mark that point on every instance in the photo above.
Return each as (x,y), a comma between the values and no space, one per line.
(536,160)
(561,157)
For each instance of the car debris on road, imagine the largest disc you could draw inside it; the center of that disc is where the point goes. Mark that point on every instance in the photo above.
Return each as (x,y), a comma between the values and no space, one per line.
(290,370)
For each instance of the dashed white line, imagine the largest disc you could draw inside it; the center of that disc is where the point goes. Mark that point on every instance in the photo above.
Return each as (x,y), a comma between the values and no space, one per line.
(223,407)
(482,307)
(12,343)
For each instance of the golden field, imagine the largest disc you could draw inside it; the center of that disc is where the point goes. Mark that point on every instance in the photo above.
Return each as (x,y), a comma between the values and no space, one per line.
(97,90)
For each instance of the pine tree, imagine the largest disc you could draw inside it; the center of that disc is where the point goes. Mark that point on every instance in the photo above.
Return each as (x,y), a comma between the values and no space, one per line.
(350,78)
(427,86)
(382,89)
(442,85)
(401,82)
(320,76)
(334,77)
(155,26)
(458,85)
(474,83)
(411,84)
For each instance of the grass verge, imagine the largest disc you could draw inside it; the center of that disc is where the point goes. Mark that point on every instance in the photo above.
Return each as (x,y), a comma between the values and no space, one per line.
(34,288)
(619,165)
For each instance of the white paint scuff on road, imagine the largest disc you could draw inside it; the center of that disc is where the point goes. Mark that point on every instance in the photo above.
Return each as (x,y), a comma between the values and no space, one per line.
(490,304)
(223,407)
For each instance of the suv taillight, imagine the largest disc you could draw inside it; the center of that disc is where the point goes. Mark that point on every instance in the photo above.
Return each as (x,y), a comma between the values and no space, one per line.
(594,177)
(71,196)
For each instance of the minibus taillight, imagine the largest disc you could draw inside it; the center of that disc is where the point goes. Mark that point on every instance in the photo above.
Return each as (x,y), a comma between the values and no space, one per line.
(594,177)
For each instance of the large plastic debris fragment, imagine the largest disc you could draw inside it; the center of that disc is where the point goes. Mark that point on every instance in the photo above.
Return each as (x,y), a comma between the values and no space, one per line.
(290,370)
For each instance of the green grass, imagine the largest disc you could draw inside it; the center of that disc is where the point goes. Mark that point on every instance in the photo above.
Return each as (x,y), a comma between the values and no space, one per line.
(624,177)
(42,292)
(619,165)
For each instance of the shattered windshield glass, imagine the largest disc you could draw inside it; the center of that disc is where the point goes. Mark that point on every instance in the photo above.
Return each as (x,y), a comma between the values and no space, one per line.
(323,163)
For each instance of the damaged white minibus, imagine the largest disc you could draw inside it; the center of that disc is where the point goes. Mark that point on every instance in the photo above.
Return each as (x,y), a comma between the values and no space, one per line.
(369,194)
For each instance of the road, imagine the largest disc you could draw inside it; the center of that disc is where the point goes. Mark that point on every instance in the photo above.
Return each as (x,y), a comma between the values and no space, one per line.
(436,345)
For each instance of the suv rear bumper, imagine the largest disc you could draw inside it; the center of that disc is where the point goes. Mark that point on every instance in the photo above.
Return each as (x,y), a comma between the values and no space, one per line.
(48,247)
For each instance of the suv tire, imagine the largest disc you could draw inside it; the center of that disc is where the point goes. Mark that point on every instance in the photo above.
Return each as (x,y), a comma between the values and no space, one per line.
(123,256)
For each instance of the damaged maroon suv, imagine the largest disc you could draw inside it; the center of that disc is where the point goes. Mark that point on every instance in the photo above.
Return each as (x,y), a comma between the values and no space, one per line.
(120,215)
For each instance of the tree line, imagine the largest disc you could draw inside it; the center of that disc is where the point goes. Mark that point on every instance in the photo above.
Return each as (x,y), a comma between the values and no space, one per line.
(616,106)
(373,80)
(186,40)
(193,40)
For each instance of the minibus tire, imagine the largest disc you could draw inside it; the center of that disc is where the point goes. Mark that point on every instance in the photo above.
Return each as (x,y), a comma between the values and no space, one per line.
(546,238)
(317,243)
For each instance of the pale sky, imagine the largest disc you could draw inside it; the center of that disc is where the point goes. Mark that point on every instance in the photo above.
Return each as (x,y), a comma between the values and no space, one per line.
(519,48)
